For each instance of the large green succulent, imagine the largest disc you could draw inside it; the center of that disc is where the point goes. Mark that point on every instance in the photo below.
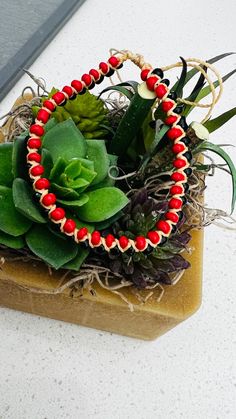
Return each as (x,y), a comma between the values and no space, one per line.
(78,171)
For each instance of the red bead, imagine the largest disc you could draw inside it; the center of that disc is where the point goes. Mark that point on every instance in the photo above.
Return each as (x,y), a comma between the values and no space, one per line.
(124,241)
(167,105)
(82,233)
(49,199)
(59,98)
(34,143)
(176,190)
(42,183)
(77,85)
(161,91)
(58,214)
(154,237)
(87,79)
(95,74)
(43,116)
(37,130)
(49,105)
(95,238)
(37,170)
(179,163)
(104,67)
(34,157)
(174,133)
(68,90)
(170,120)
(175,203)
(172,216)
(69,226)
(110,240)
(144,74)
(140,243)
(163,226)
(113,61)
(178,177)
(178,148)
(151,81)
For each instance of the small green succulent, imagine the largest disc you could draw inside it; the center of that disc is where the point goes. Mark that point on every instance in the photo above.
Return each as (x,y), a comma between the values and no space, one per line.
(88,113)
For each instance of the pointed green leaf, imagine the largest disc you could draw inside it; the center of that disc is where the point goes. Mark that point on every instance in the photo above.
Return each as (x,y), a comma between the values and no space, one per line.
(191,73)
(102,204)
(126,92)
(6,175)
(97,152)
(11,221)
(50,248)
(214,124)
(24,201)
(130,124)
(182,80)
(76,263)
(10,241)
(218,150)
(65,140)
(200,93)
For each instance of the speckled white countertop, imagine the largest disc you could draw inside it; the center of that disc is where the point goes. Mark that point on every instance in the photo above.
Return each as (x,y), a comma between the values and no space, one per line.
(50,369)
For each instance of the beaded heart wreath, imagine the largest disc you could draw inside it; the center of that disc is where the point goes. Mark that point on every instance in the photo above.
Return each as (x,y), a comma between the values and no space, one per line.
(155,82)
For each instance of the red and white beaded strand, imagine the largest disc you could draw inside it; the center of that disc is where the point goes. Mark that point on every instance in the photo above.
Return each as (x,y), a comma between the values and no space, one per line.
(155,83)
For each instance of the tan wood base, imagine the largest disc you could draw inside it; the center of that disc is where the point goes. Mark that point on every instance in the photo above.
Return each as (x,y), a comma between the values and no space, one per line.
(105,311)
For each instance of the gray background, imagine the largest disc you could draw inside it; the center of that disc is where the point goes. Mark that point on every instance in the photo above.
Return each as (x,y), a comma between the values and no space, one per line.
(26,27)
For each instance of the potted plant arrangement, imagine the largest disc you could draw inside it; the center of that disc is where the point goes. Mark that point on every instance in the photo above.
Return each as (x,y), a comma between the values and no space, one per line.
(101,196)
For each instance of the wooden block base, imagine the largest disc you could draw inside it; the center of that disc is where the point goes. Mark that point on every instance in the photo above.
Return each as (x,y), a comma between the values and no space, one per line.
(106,311)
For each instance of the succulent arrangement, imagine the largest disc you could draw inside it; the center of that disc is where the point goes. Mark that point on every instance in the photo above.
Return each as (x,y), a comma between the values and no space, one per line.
(90,178)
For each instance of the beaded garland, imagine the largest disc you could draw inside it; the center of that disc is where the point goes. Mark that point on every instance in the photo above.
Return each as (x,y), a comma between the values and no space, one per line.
(176,134)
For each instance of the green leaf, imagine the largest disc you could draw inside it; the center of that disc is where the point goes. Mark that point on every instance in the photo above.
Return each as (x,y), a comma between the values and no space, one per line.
(130,124)
(191,73)
(6,175)
(19,168)
(107,223)
(200,93)
(152,150)
(50,124)
(58,168)
(126,92)
(49,247)
(11,221)
(10,241)
(218,150)
(77,170)
(63,192)
(65,140)
(75,203)
(214,124)
(46,162)
(76,263)
(77,184)
(24,201)
(181,82)
(102,204)
(97,152)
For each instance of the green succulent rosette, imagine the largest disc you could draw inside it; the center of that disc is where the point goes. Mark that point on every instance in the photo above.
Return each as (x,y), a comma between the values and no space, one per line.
(78,170)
